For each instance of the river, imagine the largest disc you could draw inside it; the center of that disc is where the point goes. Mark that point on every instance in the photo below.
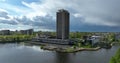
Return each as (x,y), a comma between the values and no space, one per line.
(16,53)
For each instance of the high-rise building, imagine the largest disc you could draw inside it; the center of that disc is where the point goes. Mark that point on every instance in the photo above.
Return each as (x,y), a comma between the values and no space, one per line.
(62,24)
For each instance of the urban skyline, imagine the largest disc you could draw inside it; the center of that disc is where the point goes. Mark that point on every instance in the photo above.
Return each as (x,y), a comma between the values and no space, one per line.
(86,16)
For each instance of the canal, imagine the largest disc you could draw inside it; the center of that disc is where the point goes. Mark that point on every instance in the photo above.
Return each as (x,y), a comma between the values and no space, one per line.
(17,53)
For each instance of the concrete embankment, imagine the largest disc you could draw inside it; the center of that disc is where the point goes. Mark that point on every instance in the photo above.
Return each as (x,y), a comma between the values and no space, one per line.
(115,43)
(89,49)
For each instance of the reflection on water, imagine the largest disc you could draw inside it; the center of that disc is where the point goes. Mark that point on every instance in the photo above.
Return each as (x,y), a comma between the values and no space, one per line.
(16,53)
(62,58)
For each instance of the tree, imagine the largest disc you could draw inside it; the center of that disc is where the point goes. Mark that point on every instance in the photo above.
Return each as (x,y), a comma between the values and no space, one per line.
(113,60)
(116,58)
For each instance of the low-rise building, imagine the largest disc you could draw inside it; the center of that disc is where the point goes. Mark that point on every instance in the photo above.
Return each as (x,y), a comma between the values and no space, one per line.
(117,36)
(5,32)
(91,39)
(95,39)
(28,32)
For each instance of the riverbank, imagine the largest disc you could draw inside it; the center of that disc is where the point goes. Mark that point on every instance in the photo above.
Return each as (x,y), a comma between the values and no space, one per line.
(70,49)
(61,48)
(116,57)
(115,43)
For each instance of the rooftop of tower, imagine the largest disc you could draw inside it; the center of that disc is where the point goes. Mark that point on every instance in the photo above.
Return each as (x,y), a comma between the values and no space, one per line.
(62,10)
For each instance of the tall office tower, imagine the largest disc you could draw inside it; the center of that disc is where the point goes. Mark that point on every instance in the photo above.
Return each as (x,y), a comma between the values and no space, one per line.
(62,24)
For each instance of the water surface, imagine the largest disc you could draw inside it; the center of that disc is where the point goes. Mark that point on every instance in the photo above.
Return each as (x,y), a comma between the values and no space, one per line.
(16,53)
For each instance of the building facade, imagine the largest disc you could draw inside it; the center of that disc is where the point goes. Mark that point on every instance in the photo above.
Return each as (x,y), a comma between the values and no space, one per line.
(27,32)
(62,24)
(5,32)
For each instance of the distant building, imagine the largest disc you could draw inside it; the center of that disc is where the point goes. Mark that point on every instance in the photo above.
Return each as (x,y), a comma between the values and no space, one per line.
(92,39)
(30,31)
(62,24)
(5,32)
(42,36)
(117,36)
(95,39)
(27,32)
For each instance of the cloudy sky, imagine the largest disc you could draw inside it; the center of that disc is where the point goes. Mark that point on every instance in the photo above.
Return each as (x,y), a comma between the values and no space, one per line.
(85,15)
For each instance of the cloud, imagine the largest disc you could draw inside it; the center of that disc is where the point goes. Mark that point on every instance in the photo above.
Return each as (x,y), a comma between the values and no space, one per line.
(43,22)
(2,0)
(6,18)
(100,12)
(46,22)
(14,27)
(94,12)
(83,14)
(15,10)
(3,13)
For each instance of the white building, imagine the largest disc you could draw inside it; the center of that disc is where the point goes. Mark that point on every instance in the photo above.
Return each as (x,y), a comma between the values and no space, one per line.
(95,39)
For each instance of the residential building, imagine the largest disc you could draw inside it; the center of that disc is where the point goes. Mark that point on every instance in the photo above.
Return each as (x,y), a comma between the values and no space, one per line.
(92,39)
(27,32)
(5,32)
(62,24)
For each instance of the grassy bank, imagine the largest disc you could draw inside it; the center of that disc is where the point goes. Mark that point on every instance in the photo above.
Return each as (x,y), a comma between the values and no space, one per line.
(116,57)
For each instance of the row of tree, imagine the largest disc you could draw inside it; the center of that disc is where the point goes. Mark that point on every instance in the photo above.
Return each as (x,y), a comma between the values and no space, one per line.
(15,38)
